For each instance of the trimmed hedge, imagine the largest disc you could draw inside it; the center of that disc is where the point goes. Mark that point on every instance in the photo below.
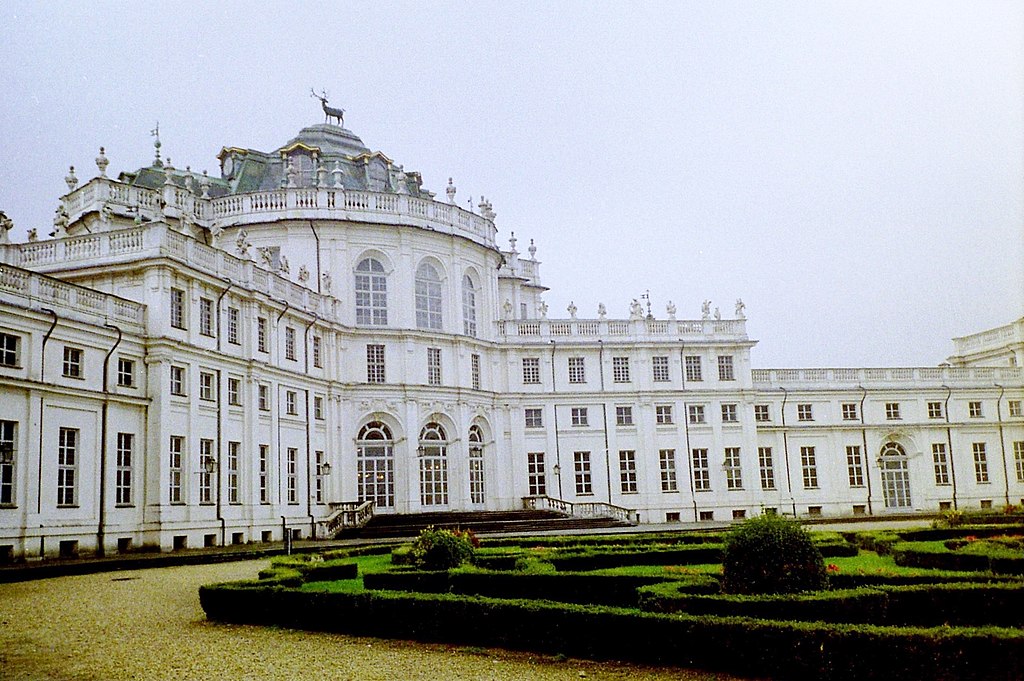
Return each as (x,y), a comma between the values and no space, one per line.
(595,559)
(928,555)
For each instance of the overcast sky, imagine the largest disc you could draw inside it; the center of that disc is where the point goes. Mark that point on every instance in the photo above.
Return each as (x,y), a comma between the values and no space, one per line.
(853,170)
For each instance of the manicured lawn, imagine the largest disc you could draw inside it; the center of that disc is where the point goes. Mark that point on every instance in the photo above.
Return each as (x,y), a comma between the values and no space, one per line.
(869,562)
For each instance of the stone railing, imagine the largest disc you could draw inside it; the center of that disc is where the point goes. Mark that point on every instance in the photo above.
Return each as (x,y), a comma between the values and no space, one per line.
(544,330)
(289,203)
(767,378)
(991,338)
(347,515)
(582,509)
(70,300)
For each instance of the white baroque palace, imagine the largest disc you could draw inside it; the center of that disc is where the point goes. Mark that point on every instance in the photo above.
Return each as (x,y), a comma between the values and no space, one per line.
(312,337)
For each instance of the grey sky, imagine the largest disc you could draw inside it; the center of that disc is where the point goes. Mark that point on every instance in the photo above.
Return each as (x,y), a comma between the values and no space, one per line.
(854,170)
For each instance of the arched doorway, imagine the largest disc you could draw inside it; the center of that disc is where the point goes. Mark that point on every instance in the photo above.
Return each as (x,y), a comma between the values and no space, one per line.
(476,466)
(433,455)
(892,461)
(375,464)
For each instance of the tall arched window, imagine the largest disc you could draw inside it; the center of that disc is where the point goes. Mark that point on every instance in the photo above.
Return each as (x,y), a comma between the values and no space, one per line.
(428,297)
(433,455)
(476,465)
(468,306)
(895,476)
(371,293)
(375,465)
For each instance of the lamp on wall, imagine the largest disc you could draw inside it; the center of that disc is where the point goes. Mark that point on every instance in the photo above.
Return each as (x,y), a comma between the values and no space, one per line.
(325,468)
(7,453)
(209,464)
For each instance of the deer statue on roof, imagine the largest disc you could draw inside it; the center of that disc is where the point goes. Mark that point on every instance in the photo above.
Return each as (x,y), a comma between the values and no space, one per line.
(329,112)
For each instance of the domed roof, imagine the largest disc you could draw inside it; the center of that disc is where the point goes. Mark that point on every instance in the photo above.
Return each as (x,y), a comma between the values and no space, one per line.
(330,140)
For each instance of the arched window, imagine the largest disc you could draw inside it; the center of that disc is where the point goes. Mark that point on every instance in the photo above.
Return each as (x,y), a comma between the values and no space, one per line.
(468,306)
(895,476)
(428,297)
(375,464)
(476,465)
(371,293)
(433,455)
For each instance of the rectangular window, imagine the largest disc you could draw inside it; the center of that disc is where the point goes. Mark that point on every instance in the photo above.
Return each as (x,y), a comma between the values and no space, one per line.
(577,372)
(733,470)
(474,371)
(261,334)
(535,474)
(935,410)
(659,367)
(234,391)
(980,462)
(663,414)
(1018,459)
(291,403)
(534,417)
(206,389)
(725,370)
(10,350)
(206,461)
(531,370)
(318,480)
(729,413)
(693,368)
(667,460)
(72,362)
(264,474)
(804,412)
(177,308)
(941,463)
(317,360)
(233,317)
(289,343)
(263,396)
(67,466)
(809,467)
(620,369)
(627,471)
(766,464)
(177,380)
(434,366)
(701,471)
(123,474)
(125,372)
(174,472)
(623,416)
(855,465)
(234,455)
(892,411)
(205,317)
(8,461)
(579,416)
(850,411)
(761,413)
(696,413)
(318,407)
(1015,408)
(974,410)
(292,479)
(374,363)
(584,482)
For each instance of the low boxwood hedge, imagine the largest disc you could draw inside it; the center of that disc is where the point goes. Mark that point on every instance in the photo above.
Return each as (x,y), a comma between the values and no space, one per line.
(934,555)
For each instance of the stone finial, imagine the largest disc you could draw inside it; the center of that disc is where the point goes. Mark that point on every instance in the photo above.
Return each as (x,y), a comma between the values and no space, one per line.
(740,307)
(155,132)
(189,182)
(470,202)
(204,185)
(602,311)
(572,310)
(102,162)
(71,179)
(337,172)
(303,274)
(533,250)
(168,174)
(512,243)
(321,175)
(450,191)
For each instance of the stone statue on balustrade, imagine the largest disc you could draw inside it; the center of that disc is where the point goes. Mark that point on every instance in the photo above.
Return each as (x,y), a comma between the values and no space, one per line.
(671,310)
(571,310)
(60,223)
(215,233)
(636,310)
(282,265)
(543,308)
(718,314)
(602,311)
(33,235)
(266,257)
(705,310)
(6,225)
(325,283)
(506,308)
(740,307)
(242,244)
(303,274)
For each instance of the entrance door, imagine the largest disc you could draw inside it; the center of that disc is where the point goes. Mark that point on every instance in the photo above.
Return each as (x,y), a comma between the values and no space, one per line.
(895,476)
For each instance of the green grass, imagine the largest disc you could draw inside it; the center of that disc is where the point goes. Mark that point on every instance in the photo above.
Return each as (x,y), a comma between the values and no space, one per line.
(869,562)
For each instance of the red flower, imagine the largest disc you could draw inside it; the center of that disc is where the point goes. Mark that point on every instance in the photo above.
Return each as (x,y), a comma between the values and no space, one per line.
(832,567)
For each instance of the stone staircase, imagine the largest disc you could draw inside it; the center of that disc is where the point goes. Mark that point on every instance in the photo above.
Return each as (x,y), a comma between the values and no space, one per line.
(481,522)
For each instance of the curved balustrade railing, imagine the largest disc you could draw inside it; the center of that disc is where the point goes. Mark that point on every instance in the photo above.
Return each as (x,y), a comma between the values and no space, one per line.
(581,509)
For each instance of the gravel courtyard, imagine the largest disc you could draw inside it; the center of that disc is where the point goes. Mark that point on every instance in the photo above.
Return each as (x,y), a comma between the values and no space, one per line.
(147,625)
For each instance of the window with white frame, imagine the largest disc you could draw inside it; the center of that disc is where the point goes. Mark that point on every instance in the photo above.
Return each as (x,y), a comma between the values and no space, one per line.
(725,368)
(855,465)
(205,317)
(371,293)
(289,343)
(579,416)
(261,334)
(729,413)
(125,372)
(701,470)
(206,476)
(263,396)
(624,416)
(73,362)
(291,403)
(474,371)
(318,407)
(663,414)
(434,366)
(694,372)
(974,410)
(667,462)
(177,380)
(534,417)
(766,466)
(696,413)
(659,368)
(8,460)
(476,466)
(804,412)
(123,473)
(980,462)
(375,364)
(234,456)
(428,297)
(627,471)
(292,475)
(233,321)
(581,468)
(733,468)
(176,450)
(849,411)
(1018,459)
(620,369)
(264,474)
(318,478)
(809,467)
(531,370)
(468,306)
(234,391)
(1015,408)
(317,359)
(178,308)
(206,386)
(535,474)
(935,410)
(433,458)
(762,414)
(10,350)
(577,371)
(375,464)
(940,462)
(892,411)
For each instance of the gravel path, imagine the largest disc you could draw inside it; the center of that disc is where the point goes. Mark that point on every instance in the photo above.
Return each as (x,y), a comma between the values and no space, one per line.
(147,625)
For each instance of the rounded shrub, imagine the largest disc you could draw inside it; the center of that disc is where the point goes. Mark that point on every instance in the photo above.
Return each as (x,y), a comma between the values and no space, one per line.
(771,555)
(438,549)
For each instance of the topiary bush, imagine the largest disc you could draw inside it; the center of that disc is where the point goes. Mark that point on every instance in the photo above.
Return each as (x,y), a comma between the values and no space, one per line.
(771,555)
(438,549)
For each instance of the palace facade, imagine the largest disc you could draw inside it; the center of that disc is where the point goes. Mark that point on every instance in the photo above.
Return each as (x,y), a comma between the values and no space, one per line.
(313,337)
